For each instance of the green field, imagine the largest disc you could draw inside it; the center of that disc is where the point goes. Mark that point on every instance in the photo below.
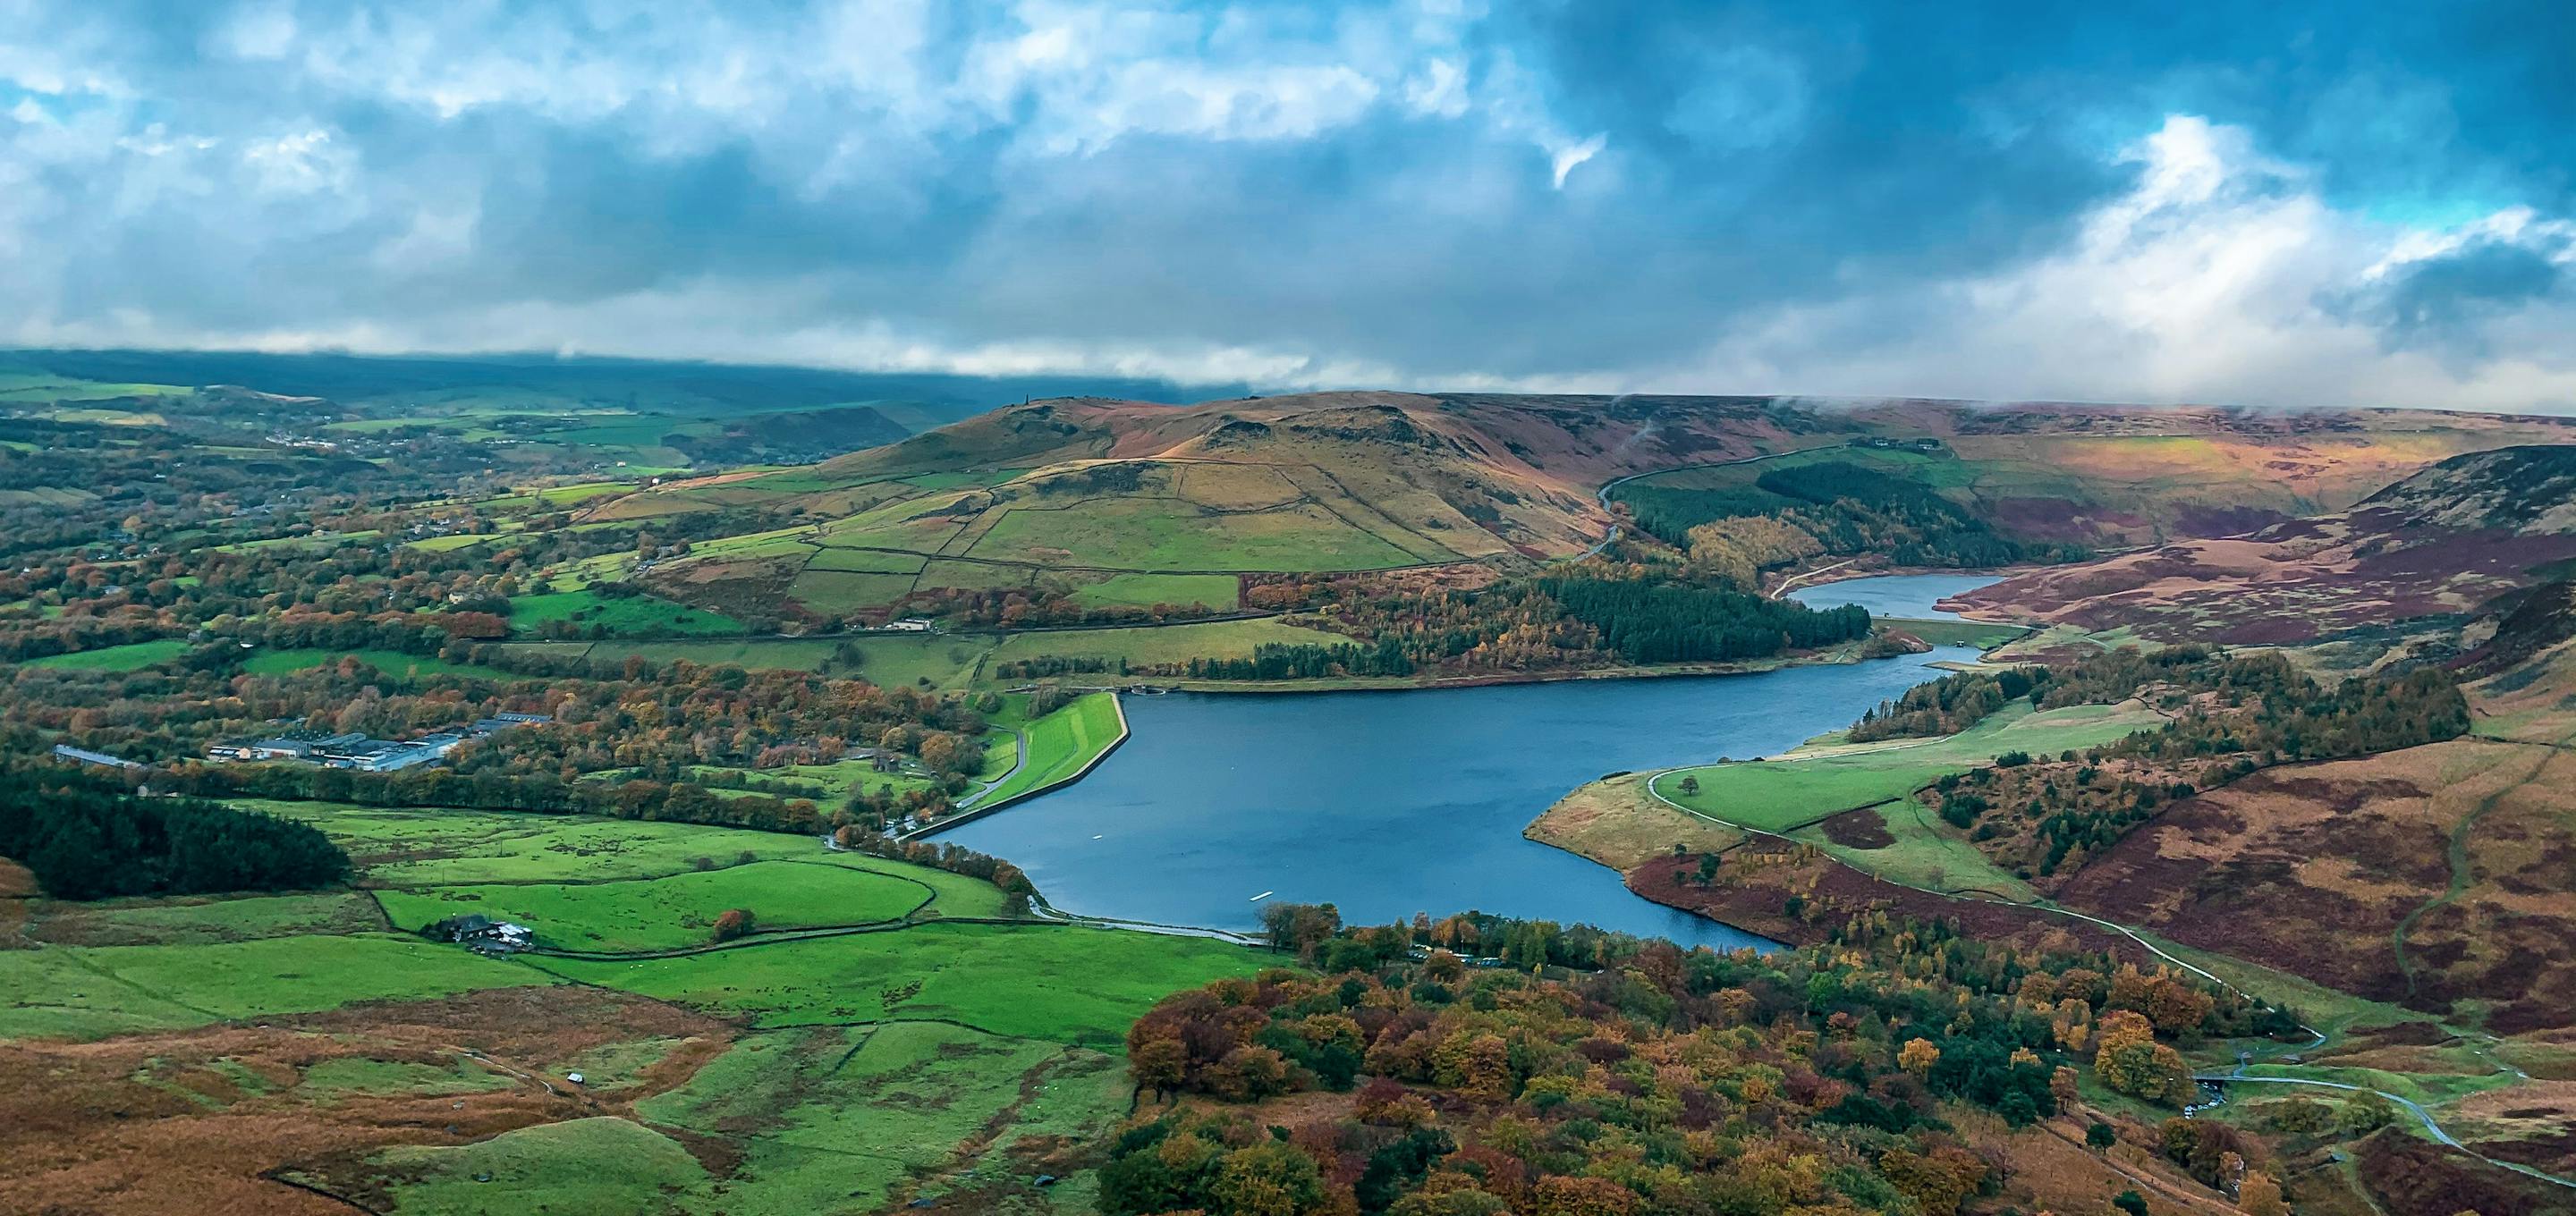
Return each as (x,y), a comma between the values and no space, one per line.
(84,992)
(132,656)
(674,910)
(1063,744)
(865,561)
(641,615)
(1776,795)
(884,659)
(1058,983)
(836,592)
(1162,534)
(390,662)
(1221,592)
(165,922)
(1161,643)
(599,1166)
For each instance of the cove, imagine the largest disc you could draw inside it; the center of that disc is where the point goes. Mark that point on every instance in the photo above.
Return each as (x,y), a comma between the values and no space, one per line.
(1392,803)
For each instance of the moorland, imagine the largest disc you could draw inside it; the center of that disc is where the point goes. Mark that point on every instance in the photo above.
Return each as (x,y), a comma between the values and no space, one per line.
(439,786)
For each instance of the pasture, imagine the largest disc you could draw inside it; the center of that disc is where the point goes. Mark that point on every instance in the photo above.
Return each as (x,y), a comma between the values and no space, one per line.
(1177,643)
(1812,783)
(1058,983)
(391,662)
(1221,592)
(629,615)
(1151,534)
(675,910)
(132,656)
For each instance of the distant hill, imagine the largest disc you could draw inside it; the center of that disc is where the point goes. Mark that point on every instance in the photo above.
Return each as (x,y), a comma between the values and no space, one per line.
(1092,490)
(2419,556)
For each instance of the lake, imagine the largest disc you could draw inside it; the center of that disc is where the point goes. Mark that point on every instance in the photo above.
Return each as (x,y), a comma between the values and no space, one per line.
(1907,596)
(1391,803)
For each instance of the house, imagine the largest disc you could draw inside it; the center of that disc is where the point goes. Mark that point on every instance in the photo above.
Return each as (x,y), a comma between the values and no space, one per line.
(483,934)
(909,624)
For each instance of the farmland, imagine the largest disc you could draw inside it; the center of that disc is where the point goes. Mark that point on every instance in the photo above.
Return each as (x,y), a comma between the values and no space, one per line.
(620,616)
(1826,778)
(839,1071)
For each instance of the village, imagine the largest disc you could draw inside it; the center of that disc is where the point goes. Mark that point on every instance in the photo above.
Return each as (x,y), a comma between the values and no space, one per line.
(355,750)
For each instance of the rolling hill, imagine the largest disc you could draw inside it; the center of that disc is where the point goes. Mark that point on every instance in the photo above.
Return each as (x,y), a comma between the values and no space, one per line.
(1085,492)
(2418,557)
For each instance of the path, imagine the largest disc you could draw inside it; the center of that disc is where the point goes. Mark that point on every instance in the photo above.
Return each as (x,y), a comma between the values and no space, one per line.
(1020,741)
(2463,872)
(2235,1074)
(2431,1128)
(1603,494)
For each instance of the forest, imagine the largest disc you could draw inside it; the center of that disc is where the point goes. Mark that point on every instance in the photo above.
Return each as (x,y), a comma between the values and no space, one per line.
(1650,1080)
(2229,716)
(1832,507)
(85,839)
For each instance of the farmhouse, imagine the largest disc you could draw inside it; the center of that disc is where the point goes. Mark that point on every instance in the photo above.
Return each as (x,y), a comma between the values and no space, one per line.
(483,934)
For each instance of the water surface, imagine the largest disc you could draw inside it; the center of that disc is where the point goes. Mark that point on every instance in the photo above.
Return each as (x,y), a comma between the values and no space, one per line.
(1391,803)
(1908,596)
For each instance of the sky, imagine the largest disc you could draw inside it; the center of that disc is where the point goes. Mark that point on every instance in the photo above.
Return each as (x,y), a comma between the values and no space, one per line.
(2287,204)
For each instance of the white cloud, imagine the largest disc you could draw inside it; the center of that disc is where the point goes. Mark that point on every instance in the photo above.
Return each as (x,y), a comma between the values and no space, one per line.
(2211,280)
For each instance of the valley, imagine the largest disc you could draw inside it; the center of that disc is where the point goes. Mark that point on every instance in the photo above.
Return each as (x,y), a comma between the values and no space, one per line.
(555,783)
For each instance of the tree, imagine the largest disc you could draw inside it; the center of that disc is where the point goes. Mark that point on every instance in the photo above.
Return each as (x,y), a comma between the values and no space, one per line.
(2130,1202)
(734,923)
(2101,1136)
(2063,1086)
(2260,1196)
(1918,1056)
(1689,786)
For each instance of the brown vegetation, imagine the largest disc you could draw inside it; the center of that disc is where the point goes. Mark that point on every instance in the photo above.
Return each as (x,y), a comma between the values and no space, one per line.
(194,1123)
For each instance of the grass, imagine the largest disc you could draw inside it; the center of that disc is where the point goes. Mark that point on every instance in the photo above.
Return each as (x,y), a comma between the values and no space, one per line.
(200,921)
(86,993)
(1776,795)
(413,849)
(1218,591)
(359,1075)
(1061,984)
(132,656)
(1063,744)
(674,910)
(918,1094)
(865,561)
(632,614)
(391,662)
(1150,534)
(600,1166)
(1162,643)
(884,659)
(835,592)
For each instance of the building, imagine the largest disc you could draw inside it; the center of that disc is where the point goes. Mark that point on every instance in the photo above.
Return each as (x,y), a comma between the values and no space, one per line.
(502,722)
(909,624)
(484,934)
(73,755)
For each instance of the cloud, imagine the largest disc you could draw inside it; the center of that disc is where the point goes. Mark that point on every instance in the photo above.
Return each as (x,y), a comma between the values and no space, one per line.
(1883,198)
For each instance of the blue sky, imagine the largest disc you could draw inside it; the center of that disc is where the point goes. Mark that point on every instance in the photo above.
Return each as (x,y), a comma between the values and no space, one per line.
(2290,203)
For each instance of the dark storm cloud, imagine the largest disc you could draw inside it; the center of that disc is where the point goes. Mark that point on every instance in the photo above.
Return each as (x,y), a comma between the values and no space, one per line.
(1549,193)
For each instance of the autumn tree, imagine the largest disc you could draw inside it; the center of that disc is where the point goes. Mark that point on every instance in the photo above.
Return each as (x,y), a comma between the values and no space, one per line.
(2260,1196)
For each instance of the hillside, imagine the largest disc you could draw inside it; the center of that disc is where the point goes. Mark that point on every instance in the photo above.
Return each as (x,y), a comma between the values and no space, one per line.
(2424,552)
(1116,499)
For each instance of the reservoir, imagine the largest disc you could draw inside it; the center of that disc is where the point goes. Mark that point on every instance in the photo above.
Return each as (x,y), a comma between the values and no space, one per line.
(1392,803)
(1906,596)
